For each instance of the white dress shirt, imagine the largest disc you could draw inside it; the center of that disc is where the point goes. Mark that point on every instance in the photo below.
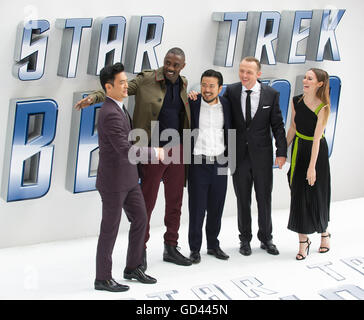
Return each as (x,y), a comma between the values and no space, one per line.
(119,103)
(254,99)
(210,141)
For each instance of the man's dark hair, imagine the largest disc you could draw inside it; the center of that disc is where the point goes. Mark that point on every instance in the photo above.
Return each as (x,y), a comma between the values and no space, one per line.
(214,74)
(108,73)
(177,52)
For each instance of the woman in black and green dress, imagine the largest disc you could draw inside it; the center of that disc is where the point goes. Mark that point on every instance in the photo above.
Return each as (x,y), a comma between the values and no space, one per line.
(309,175)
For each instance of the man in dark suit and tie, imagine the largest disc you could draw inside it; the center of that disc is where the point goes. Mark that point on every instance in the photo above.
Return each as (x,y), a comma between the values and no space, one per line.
(256,114)
(207,186)
(117,183)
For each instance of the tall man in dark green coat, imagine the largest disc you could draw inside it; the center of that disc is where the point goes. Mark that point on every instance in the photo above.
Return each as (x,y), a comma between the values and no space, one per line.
(161,95)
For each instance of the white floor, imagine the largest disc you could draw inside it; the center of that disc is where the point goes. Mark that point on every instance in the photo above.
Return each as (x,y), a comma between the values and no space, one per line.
(66,270)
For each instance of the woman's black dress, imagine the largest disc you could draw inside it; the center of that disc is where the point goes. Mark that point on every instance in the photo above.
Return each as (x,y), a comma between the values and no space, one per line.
(310,206)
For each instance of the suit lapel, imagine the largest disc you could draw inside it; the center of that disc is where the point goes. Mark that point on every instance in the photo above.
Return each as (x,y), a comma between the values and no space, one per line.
(197,111)
(125,117)
(262,92)
(130,123)
(224,111)
(237,93)
(227,119)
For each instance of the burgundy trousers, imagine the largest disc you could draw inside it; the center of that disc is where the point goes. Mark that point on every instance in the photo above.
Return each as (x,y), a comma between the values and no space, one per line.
(173,177)
(133,204)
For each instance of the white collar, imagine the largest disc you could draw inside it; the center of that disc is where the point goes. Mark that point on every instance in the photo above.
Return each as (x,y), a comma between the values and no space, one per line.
(119,103)
(255,89)
(203,102)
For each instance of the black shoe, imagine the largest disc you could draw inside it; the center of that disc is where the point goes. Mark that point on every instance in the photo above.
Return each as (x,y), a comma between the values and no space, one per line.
(144,264)
(269,247)
(195,257)
(138,275)
(171,254)
(325,249)
(218,253)
(245,248)
(110,285)
(301,256)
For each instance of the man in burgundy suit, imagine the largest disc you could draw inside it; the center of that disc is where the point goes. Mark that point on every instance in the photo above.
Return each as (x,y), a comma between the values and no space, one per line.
(117,183)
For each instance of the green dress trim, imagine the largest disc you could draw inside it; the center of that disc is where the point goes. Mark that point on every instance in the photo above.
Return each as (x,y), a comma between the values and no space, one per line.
(295,147)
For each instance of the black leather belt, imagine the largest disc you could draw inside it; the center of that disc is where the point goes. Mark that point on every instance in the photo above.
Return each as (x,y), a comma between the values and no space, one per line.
(208,158)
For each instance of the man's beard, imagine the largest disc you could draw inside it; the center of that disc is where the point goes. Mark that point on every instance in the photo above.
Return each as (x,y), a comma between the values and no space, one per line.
(208,101)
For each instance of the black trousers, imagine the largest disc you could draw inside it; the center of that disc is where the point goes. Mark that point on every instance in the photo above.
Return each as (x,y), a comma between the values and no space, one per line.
(246,175)
(206,196)
(132,202)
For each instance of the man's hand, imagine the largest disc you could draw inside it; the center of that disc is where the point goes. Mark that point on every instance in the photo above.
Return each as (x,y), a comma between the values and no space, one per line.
(84,103)
(160,154)
(193,95)
(280,161)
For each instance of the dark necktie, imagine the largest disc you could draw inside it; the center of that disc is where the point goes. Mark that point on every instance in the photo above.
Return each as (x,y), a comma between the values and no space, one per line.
(126,114)
(248,108)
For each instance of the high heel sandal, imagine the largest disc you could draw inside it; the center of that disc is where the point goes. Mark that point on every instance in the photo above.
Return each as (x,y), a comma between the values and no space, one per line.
(300,256)
(325,249)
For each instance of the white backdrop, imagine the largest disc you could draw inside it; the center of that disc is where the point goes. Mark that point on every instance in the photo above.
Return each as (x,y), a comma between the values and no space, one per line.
(63,215)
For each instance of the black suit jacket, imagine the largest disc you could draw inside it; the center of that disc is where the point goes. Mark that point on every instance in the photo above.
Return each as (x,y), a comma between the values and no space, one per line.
(195,107)
(257,139)
(115,172)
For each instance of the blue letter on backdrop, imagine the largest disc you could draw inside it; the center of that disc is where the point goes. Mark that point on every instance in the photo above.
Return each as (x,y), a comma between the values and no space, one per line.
(30,50)
(335,88)
(83,148)
(107,43)
(32,128)
(227,36)
(70,47)
(322,44)
(144,35)
(261,30)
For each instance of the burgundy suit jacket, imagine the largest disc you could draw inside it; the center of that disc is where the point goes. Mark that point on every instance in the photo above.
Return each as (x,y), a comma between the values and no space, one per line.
(115,172)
